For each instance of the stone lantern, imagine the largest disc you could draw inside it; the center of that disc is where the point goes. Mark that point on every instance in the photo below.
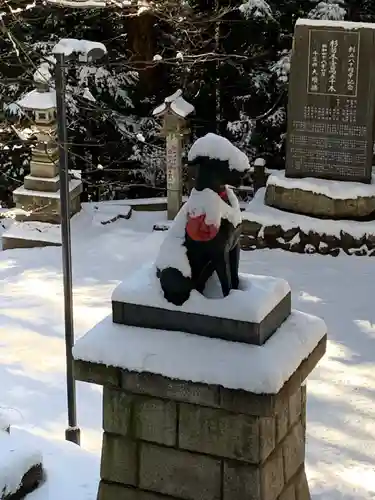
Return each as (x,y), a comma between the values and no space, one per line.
(40,193)
(174,112)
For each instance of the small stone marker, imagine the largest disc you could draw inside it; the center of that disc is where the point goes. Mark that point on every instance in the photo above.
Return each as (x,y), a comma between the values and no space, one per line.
(331,101)
(174,111)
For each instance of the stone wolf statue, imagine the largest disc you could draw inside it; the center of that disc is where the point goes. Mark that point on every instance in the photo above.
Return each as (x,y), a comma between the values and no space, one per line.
(204,237)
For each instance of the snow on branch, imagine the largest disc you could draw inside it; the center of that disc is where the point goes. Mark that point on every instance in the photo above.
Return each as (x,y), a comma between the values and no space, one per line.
(68,46)
(256,9)
(330,10)
(84,4)
(281,68)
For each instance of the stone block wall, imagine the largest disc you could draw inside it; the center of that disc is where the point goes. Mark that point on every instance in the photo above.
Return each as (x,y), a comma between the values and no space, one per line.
(179,440)
(295,239)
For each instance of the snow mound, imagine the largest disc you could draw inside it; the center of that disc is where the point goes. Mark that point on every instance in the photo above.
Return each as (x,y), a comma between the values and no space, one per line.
(4,421)
(332,189)
(257,297)
(16,459)
(264,215)
(183,356)
(35,231)
(217,147)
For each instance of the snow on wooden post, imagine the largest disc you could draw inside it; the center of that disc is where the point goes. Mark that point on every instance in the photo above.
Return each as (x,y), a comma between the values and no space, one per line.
(259,175)
(174,112)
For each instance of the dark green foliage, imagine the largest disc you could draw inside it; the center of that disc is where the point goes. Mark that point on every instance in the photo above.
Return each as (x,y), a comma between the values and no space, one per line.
(231,62)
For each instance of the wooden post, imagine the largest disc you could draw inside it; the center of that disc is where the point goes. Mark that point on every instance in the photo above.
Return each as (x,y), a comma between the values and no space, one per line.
(174,174)
(174,112)
(259,175)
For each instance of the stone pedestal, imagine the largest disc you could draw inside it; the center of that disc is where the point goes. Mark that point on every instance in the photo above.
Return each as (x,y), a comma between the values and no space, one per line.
(302,200)
(250,315)
(44,205)
(311,216)
(175,439)
(193,418)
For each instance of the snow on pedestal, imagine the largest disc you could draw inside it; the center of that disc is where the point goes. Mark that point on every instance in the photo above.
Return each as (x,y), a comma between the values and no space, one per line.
(20,467)
(182,356)
(257,296)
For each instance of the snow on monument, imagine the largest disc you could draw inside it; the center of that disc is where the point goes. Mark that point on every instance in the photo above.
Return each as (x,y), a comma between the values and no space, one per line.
(324,201)
(203,397)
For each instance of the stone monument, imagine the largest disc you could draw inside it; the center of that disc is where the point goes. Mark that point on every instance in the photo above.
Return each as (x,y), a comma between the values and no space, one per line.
(204,401)
(174,111)
(331,101)
(329,146)
(40,194)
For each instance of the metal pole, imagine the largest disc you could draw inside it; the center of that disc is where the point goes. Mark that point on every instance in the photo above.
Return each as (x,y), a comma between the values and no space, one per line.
(72,433)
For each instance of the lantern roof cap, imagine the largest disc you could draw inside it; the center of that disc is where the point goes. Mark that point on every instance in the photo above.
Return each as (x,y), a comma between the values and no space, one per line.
(174,104)
(36,100)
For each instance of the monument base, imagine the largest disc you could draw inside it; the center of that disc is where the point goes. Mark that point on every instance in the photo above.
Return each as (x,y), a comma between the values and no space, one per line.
(44,206)
(189,418)
(251,314)
(268,227)
(321,198)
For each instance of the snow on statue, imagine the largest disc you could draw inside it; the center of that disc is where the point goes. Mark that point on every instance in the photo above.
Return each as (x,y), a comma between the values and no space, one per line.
(204,237)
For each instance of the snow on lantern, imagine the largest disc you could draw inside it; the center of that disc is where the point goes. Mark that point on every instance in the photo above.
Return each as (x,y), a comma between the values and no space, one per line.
(174,112)
(40,193)
(42,100)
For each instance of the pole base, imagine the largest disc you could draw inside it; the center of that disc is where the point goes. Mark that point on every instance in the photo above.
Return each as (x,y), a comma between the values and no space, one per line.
(73,434)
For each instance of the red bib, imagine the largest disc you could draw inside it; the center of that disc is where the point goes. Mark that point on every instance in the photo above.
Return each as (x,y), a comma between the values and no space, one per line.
(198,230)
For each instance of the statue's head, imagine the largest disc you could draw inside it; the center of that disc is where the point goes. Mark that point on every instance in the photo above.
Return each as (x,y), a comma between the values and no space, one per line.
(217,162)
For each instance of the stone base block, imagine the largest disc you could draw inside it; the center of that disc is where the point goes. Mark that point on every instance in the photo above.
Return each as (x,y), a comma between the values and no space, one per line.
(11,242)
(267,227)
(45,206)
(184,451)
(318,198)
(39,167)
(178,440)
(50,185)
(250,315)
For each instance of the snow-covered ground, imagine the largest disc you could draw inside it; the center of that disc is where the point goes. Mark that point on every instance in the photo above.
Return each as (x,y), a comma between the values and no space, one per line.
(341,401)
